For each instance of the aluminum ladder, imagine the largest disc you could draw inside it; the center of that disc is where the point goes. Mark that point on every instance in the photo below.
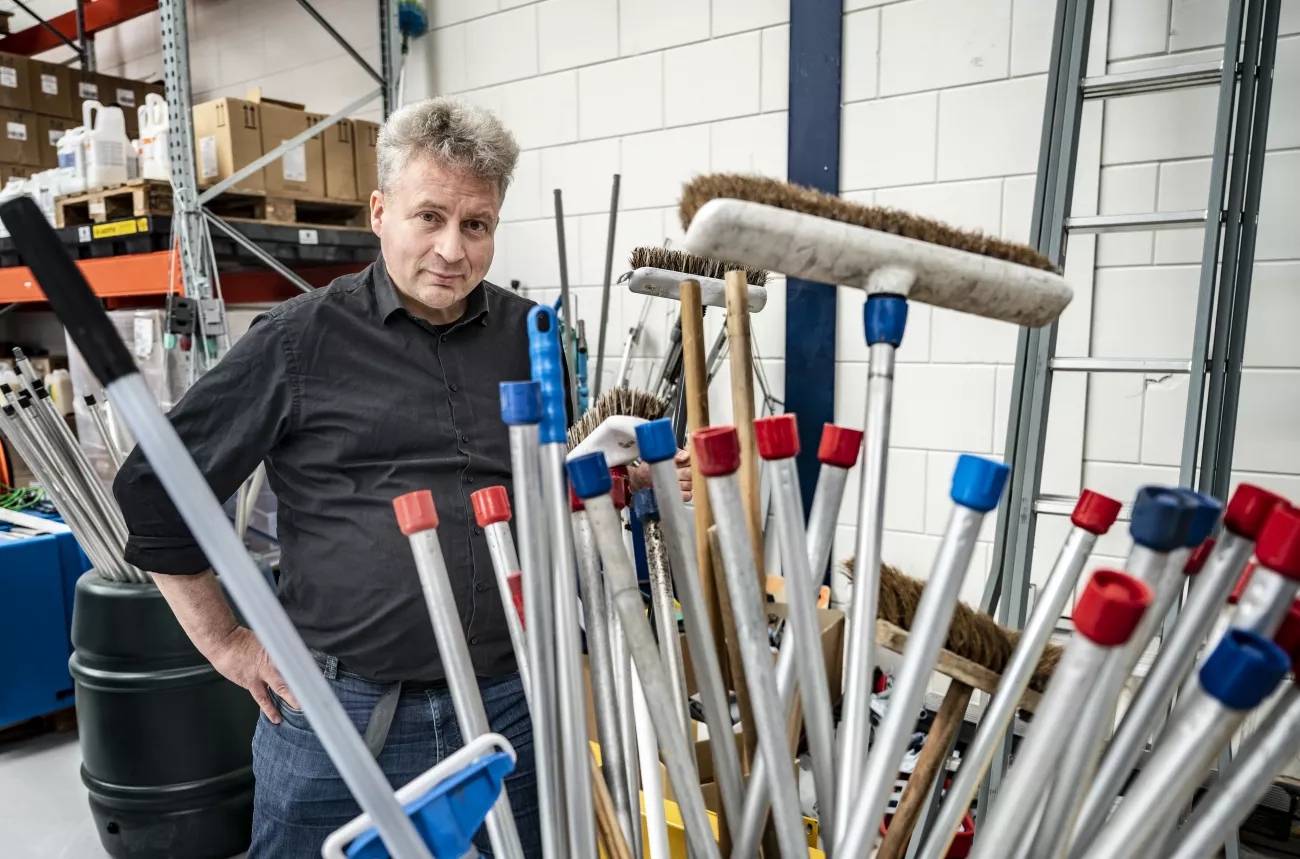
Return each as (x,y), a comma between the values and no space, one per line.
(1244,80)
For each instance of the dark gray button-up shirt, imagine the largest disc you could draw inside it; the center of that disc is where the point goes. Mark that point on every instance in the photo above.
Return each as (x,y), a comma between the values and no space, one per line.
(352,401)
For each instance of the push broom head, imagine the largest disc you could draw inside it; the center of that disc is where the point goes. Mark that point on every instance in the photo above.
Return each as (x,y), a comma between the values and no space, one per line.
(609,426)
(660,272)
(816,236)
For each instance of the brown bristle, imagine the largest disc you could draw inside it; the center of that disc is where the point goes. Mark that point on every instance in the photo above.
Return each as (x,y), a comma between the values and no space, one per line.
(972,635)
(797,198)
(692,264)
(617,401)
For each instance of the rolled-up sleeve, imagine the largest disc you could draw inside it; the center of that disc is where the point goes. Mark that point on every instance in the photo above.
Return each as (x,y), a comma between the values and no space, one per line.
(229,420)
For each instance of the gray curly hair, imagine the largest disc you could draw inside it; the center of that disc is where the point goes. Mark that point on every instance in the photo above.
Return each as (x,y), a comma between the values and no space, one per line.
(453,132)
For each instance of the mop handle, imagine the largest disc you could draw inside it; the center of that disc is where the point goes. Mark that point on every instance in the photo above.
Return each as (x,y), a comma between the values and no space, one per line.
(1240,673)
(418,520)
(1093,516)
(521,410)
(838,453)
(1105,617)
(1268,595)
(884,320)
(717,450)
(778,444)
(492,513)
(89,327)
(661,594)
(658,448)
(977,486)
(591,481)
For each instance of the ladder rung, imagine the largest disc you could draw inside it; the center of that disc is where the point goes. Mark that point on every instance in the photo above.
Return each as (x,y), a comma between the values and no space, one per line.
(1132,223)
(1153,80)
(1061,505)
(1118,365)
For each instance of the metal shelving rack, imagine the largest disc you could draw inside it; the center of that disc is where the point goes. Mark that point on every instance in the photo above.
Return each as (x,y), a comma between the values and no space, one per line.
(1244,79)
(192,217)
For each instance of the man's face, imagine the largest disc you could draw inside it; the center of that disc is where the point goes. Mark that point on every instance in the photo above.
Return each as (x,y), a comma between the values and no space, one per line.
(435,228)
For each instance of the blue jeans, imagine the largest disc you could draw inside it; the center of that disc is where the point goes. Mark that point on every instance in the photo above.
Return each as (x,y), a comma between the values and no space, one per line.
(300,798)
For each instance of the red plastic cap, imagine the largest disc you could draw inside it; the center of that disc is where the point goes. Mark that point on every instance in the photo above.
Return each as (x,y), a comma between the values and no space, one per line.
(1111,606)
(717,450)
(1288,634)
(415,512)
(1278,547)
(777,436)
(1242,582)
(839,446)
(1095,512)
(575,503)
(491,505)
(1196,560)
(618,489)
(1248,510)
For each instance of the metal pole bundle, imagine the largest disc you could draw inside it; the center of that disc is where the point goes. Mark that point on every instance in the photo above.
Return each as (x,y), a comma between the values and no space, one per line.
(418,520)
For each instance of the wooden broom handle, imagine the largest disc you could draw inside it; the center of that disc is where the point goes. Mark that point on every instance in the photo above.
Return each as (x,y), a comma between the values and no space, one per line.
(741,355)
(611,833)
(929,765)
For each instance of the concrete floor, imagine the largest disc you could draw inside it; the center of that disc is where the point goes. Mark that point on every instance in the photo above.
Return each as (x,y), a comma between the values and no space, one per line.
(43,810)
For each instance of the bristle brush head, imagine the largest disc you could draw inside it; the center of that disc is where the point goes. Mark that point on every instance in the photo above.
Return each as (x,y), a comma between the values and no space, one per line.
(692,265)
(797,198)
(617,401)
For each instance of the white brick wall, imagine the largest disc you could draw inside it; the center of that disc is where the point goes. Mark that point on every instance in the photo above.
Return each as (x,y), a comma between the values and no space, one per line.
(942,109)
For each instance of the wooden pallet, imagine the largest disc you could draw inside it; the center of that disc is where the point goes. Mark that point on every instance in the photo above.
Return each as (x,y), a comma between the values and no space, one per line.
(132,200)
(150,197)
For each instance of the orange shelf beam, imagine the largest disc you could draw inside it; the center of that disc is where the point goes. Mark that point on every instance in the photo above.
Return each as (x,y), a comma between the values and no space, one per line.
(149,274)
(100,15)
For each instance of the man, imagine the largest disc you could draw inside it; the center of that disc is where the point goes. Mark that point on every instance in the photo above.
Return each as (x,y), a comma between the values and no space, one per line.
(382,383)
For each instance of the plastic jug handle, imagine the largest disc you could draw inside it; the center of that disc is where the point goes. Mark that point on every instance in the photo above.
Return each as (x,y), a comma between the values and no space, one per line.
(89,109)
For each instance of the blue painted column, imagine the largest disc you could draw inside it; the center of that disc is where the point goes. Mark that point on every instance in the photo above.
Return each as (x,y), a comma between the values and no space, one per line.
(813,160)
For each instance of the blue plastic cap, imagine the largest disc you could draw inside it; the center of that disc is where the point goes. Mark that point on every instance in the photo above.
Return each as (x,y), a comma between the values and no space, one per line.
(977,483)
(521,403)
(884,317)
(1206,511)
(548,370)
(589,475)
(1160,519)
(1243,670)
(656,440)
(644,505)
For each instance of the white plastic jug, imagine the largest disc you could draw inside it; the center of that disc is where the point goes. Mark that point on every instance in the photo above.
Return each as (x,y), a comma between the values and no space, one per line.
(155,162)
(72,161)
(105,143)
(133,160)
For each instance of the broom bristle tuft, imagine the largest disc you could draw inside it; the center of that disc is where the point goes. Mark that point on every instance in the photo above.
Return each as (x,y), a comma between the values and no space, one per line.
(617,401)
(691,264)
(972,635)
(797,198)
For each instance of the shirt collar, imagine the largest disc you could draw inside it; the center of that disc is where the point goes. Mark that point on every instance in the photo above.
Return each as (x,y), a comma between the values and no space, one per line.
(389,301)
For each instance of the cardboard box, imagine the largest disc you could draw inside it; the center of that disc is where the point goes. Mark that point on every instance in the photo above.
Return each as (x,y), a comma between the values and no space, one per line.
(340,160)
(302,169)
(365,140)
(15,86)
(15,171)
(49,130)
(227,136)
(125,94)
(85,87)
(18,138)
(51,87)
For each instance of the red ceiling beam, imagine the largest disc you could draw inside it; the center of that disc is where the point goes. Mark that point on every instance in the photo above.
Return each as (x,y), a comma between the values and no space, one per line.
(100,15)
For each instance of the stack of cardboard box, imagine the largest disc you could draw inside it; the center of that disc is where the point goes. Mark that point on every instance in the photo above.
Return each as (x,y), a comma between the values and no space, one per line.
(338,164)
(40,101)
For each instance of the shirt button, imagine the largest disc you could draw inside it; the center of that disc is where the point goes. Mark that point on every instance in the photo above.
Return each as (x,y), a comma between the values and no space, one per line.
(469,479)
(442,339)
(465,439)
(454,388)
(473,639)
(480,588)
(478,531)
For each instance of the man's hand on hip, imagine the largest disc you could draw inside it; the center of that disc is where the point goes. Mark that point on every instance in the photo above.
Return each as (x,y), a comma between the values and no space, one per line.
(241,659)
(639,475)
